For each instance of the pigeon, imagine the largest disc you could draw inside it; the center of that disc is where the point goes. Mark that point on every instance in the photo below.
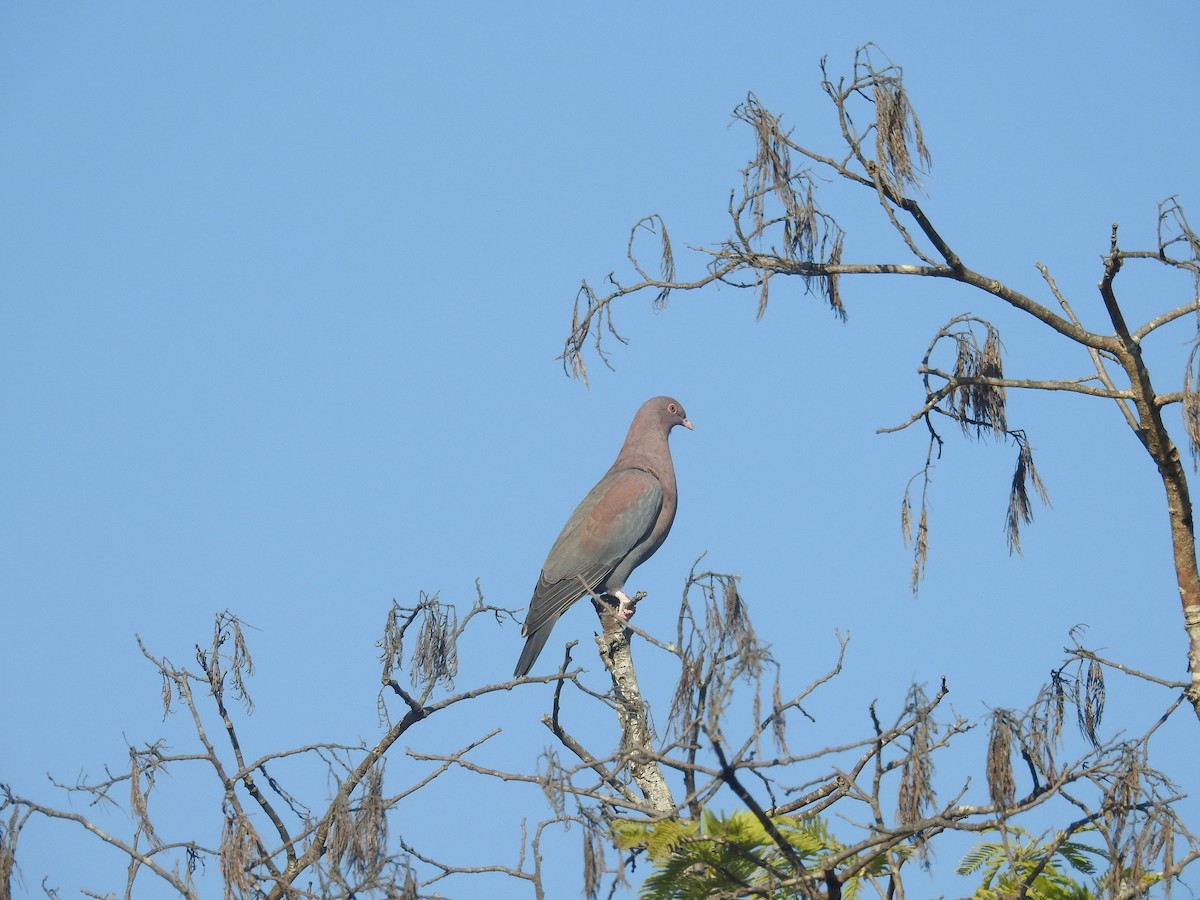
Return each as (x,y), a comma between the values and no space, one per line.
(617,527)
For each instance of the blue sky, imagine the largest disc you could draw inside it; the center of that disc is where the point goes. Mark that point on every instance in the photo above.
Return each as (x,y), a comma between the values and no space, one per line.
(282,286)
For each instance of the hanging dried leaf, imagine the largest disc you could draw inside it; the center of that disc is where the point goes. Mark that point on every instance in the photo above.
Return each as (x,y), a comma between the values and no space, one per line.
(898,136)
(138,795)
(666,265)
(1039,730)
(1020,510)
(341,828)
(778,719)
(358,832)
(681,714)
(409,892)
(593,863)
(735,619)
(1059,694)
(435,653)
(391,645)
(771,172)
(809,235)
(435,648)
(9,833)
(921,550)
(1191,404)
(988,400)
(168,692)
(916,794)
(1001,786)
(236,854)
(830,282)
(977,404)
(241,665)
(965,366)
(1089,698)
(553,782)
(368,838)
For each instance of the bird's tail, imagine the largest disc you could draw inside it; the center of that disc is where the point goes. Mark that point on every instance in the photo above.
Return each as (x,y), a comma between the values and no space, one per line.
(533,646)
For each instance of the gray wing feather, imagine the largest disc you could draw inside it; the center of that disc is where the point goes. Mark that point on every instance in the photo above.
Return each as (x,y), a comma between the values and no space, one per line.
(617,514)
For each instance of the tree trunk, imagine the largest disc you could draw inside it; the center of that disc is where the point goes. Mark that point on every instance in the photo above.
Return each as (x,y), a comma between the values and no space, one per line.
(1157,441)
(637,737)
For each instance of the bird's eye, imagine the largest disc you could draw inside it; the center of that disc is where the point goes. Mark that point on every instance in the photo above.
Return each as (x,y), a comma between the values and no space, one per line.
(672,408)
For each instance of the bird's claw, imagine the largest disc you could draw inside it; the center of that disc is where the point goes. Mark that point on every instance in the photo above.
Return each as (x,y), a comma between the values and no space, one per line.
(625,606)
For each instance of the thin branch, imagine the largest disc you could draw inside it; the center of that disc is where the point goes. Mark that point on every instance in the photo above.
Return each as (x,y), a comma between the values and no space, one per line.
(1076,386)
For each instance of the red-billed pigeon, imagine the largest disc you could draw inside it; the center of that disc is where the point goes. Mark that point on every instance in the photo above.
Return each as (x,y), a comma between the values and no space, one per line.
(617,527)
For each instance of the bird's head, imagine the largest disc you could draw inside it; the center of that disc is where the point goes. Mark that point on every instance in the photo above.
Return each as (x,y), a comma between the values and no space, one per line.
(667,412)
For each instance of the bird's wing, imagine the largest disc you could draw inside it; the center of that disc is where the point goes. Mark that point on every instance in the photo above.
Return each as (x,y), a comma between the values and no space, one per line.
(618,513)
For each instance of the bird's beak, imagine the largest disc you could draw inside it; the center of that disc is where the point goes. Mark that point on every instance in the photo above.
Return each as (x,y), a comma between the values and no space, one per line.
(686,423)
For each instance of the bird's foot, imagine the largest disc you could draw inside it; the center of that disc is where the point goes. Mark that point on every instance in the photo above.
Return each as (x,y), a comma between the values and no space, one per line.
(625,606)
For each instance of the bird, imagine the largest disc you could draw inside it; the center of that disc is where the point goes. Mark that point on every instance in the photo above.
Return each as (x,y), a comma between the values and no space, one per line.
(615,528)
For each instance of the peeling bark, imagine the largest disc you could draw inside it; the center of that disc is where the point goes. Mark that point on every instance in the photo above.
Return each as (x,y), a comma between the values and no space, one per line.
(637,737)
